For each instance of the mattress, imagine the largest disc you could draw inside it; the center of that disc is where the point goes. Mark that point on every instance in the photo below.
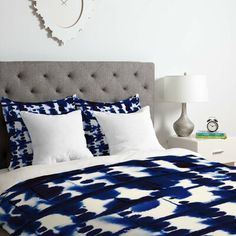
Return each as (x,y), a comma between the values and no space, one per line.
(172,192)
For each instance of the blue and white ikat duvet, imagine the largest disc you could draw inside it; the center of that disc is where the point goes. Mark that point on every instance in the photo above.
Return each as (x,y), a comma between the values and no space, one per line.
(169,193)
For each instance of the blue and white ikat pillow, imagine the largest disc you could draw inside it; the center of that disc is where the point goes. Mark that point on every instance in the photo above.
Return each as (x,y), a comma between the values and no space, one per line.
(20,142)
(95,138)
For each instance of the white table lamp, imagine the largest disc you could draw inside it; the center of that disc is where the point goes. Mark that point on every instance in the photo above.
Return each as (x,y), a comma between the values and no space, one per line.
(183,89)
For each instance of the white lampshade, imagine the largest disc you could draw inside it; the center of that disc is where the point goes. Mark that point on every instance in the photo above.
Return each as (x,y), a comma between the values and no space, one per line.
(185,88)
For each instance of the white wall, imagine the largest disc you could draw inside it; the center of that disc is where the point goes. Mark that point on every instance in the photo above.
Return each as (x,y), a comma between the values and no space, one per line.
(196,36)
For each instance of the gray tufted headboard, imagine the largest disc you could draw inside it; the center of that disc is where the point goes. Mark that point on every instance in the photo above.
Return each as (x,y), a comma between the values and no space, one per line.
(95,81)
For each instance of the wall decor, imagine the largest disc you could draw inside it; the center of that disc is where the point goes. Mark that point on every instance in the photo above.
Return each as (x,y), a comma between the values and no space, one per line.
(62,19)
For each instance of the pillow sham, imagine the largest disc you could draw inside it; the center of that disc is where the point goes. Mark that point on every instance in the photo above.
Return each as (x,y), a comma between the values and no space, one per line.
(129,132)
(20,142)
(95,138)
(56,138)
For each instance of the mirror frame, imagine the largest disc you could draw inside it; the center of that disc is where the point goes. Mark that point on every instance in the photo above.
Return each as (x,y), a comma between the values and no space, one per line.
(59,34)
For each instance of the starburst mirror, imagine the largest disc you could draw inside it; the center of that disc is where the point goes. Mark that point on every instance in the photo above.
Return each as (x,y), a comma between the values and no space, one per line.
(63,19)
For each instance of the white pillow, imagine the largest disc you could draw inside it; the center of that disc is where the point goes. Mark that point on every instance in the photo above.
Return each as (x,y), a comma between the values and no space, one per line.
(128,132)
(56,138)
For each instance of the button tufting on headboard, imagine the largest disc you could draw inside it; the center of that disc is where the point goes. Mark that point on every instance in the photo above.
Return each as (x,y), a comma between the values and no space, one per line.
(104,89)
(93,75)
(33,90)
(7,91)
(20,76)
(58,90)
(95,81)
(82,90)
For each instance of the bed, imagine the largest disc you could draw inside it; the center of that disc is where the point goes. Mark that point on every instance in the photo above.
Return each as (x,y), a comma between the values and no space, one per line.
(169,192)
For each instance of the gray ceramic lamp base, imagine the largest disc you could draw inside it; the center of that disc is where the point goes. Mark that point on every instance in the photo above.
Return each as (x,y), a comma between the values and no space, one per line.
(183,126)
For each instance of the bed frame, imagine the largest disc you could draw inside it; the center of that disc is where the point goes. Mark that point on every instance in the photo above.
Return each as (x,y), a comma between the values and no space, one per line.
(95,81)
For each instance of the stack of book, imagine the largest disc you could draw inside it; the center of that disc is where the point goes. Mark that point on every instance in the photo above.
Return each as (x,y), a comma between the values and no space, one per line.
(211,135)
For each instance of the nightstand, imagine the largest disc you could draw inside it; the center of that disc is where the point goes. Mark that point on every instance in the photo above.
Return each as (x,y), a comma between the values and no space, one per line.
(218,150)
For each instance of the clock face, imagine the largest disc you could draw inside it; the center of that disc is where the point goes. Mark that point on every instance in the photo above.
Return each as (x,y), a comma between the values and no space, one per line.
(64,13)
(212,126)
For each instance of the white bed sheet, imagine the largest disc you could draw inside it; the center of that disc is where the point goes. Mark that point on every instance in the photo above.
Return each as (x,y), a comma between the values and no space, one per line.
(10,178)
(2,171)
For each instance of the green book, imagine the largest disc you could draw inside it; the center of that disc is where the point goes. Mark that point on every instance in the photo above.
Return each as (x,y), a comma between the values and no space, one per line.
(210,134)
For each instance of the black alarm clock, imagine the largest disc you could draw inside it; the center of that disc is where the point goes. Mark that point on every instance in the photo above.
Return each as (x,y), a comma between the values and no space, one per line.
(212,124)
